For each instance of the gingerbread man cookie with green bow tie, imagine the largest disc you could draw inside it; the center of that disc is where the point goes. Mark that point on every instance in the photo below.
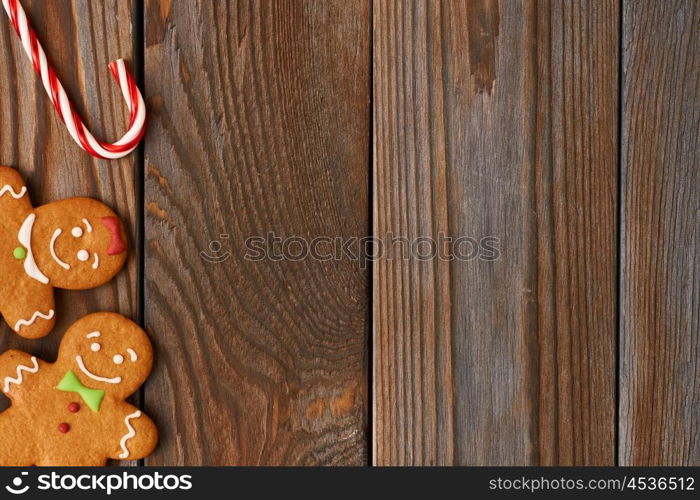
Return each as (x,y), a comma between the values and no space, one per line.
(73,412)
(75,244)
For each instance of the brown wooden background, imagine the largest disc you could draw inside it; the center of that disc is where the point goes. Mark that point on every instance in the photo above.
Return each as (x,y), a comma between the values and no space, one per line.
(567,129)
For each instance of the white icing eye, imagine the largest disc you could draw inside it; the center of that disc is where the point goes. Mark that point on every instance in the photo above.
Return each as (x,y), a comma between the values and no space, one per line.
(77,232)
(118,359)
(132,354)
(83,255)
(95,347)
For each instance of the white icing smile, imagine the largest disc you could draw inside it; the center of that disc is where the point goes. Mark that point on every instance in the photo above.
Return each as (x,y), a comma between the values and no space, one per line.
(81,365)
(25,238)
(82,255)
(52,248)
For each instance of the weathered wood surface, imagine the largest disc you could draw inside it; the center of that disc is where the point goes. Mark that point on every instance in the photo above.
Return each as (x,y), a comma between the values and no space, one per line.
(260,116)
(486,118)
(660,267)
(496,119)
(80,39)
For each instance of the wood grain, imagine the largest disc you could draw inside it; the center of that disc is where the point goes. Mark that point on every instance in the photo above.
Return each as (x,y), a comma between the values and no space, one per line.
(491,119)
(80,39)
(660,269)
(496,119)
(259,123)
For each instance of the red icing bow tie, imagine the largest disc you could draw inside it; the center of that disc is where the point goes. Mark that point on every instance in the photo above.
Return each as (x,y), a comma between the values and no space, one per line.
(116,245)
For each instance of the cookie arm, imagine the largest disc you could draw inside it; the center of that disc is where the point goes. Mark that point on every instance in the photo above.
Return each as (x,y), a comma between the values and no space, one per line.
(13,191)
(138,436)
(28,308)
(15,368)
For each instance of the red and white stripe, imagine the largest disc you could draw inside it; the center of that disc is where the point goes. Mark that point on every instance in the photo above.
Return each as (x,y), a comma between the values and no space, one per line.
(66,111)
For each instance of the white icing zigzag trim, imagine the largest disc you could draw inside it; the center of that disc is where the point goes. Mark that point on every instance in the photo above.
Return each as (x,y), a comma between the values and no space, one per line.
(128,435)
(13,193)
(20,377)
(35,316)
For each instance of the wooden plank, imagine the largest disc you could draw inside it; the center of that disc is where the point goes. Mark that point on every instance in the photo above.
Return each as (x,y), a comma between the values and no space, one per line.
(80,39)
(259,123)
(496,119)
(660,285)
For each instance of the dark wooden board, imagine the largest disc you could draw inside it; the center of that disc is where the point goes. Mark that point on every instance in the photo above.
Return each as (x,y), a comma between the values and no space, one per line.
(491,119)
(496,119)
(660,267)
(260,122)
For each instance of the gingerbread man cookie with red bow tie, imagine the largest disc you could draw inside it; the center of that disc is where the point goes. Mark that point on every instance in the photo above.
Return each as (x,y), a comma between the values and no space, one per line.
(75,244)
(73,412)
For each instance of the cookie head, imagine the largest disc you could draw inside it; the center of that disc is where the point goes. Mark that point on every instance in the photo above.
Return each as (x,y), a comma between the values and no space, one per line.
(109,352)
(78,243)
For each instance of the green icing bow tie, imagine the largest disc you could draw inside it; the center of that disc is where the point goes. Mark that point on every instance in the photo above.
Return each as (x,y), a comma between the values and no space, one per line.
(92,397)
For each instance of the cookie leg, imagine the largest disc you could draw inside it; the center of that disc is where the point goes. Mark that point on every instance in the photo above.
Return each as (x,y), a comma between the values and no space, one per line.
(13,192)
(81,459)
(17,446)
(30,310)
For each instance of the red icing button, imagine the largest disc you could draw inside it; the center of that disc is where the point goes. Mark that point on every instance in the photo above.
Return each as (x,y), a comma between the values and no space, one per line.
(74,407)
(64,427)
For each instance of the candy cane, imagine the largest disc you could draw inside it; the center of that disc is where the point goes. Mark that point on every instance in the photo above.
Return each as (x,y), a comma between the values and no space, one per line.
(64,107)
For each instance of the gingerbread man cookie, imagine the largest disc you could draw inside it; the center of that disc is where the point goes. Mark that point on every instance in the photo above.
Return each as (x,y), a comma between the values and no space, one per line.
(76,244)
(73,412)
